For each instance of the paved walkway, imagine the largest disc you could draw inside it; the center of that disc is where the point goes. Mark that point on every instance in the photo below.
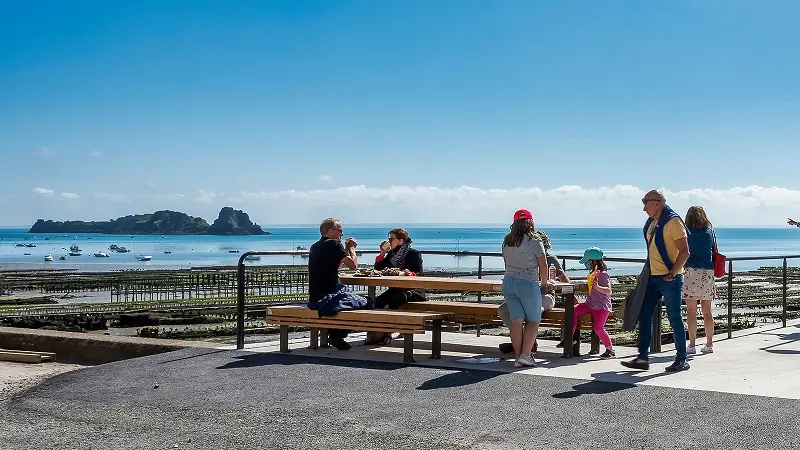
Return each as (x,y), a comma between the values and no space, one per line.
(216,398)
(763,361)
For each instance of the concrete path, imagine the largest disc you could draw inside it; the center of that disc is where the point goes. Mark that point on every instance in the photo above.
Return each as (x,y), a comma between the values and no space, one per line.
(764,361)
(216,398)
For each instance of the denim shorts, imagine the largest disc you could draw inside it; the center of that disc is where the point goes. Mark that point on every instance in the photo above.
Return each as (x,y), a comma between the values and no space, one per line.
(523,298)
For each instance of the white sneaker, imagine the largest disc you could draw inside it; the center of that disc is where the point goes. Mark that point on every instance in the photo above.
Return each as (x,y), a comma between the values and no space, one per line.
(525,361)
(691,350)
(707,349)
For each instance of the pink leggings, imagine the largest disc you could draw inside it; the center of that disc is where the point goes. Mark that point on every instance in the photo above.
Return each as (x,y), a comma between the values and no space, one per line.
(599,317)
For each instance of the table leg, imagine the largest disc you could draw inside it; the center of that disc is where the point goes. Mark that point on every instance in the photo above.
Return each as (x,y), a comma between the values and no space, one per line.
(323,338)
(408,348)
(314,339)
(568,296)
(284,343)
(436,347)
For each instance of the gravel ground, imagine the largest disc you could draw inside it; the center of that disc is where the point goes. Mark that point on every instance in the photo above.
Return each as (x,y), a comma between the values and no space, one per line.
(15,377)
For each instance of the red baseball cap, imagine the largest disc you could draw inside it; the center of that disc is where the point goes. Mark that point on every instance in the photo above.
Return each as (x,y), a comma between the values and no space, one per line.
(523,214)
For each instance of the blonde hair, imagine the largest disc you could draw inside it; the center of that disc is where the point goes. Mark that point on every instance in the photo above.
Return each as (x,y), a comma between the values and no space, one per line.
(696,218)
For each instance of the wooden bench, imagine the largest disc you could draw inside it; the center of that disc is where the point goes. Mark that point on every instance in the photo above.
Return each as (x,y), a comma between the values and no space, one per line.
(407,323)
(470,313)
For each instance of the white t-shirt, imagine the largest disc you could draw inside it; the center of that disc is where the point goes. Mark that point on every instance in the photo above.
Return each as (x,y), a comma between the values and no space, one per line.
(521,261)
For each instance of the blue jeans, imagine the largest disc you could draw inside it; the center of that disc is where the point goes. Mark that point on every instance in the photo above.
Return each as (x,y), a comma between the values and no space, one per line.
(672,293)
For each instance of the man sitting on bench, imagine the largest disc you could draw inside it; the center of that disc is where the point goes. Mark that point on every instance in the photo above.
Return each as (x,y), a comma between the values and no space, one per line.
(325,294)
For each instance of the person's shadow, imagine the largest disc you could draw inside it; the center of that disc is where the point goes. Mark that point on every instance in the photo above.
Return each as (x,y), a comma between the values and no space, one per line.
(613,381)
(788,339)
(593,387)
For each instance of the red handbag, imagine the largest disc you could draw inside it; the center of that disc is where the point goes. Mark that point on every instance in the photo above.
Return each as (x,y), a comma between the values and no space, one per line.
(718,259)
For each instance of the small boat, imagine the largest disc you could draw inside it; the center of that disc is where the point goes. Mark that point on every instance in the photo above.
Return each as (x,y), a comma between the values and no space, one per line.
(113,247)
(167,251)
(233,251)
(75,248)
(74,253)
(300,248)
(144,257)
(101,255)
(48,258)
(20,245)
(46,238)
(26,254)
(64,235)
(252,258)
(62,258)
(122,250)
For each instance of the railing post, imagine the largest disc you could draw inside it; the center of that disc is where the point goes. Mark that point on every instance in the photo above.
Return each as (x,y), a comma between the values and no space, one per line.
(785,287)
(480,275)
(240,302)
(730,299)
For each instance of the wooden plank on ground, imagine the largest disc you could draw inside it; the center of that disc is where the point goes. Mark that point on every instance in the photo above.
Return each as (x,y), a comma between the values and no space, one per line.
(12,356)
(51,354)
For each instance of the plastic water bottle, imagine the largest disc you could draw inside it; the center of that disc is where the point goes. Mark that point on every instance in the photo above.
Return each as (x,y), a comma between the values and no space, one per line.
(552,272)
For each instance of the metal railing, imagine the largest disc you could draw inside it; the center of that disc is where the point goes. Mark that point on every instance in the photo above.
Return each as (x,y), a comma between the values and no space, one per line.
(730,276)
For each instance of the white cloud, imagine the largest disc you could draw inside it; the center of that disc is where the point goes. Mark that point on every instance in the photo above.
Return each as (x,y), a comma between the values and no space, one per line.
(325,178)
(42,191)
(119,198)
(204,196)
(43,152)
(566,205)
(96,154)
(69,195)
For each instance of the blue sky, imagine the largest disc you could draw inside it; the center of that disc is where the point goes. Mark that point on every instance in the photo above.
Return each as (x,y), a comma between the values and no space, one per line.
(446,111)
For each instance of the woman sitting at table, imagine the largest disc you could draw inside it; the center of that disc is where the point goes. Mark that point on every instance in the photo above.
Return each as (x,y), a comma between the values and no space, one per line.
(396,253)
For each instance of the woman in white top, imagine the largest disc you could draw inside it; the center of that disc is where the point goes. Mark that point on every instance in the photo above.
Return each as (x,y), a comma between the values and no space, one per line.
(525,264)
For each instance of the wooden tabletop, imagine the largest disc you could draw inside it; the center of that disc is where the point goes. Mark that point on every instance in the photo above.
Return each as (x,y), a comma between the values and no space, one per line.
(406,282)
(451,284)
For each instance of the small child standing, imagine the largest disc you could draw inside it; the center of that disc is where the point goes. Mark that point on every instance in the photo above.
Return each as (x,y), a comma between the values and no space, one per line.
(598,301)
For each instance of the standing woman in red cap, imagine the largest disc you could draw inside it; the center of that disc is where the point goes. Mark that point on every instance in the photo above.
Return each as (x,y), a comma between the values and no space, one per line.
(523,254)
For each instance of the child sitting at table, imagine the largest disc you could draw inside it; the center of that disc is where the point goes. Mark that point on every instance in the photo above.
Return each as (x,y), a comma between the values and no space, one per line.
(598,301)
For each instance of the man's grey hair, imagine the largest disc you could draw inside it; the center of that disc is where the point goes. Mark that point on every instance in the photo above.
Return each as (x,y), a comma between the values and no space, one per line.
(658,194)
(328,224)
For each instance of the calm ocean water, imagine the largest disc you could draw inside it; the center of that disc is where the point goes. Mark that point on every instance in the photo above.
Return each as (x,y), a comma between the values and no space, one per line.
(196,251)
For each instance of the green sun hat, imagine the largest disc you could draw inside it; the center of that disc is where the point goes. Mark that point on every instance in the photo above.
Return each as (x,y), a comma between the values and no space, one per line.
(592,253)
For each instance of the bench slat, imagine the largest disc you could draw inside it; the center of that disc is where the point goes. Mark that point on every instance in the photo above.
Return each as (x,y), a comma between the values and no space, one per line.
(343,325)
(361,316)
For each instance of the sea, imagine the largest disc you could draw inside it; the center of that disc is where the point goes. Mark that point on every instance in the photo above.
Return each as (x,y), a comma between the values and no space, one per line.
(174,252)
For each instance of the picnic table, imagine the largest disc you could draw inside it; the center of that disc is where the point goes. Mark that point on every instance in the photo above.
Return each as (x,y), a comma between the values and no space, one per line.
(565,290)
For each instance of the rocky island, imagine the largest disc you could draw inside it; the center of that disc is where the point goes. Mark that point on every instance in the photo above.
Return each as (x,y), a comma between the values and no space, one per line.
(229,222)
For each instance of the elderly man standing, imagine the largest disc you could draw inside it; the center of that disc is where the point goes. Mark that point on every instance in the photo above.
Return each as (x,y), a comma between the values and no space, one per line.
(668,250)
